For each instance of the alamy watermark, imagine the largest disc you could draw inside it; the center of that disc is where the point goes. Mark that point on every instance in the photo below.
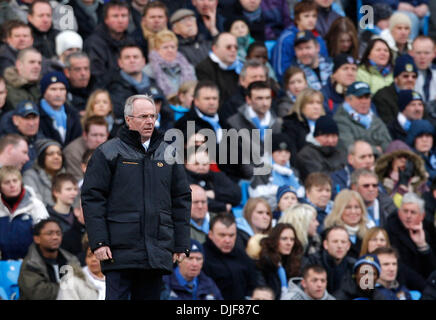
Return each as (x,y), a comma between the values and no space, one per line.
(367,19)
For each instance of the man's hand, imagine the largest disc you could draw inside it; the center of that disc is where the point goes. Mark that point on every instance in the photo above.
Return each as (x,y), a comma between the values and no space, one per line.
(103,253)
(210,194)
(178,257)
(209,21)
(417,235)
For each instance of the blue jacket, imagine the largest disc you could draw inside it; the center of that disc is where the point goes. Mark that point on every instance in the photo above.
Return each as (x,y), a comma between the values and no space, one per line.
(393,293)
(325,69)
(332,99)
(341,179)
(206,290)
(283,52)
(16,229)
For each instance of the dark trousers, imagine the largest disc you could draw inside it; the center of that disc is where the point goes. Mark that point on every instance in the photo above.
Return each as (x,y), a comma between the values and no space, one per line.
(133,284)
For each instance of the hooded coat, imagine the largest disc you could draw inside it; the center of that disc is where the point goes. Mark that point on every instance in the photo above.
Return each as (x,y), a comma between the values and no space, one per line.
(296,292)
(383,167)
(19,88)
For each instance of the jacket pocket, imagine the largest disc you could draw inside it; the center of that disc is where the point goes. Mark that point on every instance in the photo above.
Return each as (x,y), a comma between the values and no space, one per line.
(124,230)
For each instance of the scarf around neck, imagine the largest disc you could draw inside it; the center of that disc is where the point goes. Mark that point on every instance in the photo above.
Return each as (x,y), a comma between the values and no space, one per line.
(179,67)
(384,70)
(91,11)
(364,119)
(139,86)
(236,65)
(59,118)
(253,16)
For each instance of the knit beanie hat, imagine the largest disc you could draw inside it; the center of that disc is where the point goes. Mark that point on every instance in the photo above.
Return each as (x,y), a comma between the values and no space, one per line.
(196,246)
(404,63)
(417,128)
(42,144)
(370,259)
(280,141)
(68,39)
(341,59)
(325,125)
(397,18)
(50,78)
(407,96)
(284,189)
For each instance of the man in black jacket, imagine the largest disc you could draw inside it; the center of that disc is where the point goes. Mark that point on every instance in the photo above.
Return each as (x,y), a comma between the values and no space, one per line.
(136,206)
(192,44)
(320,153)
(58,120)
(103,45)
(228,265)
(412,236)
(334,257)
(78,72)
(40,21)
(386,99)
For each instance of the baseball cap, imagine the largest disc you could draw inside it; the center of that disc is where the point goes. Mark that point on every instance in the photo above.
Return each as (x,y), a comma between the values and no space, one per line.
(26,107)
(358,89)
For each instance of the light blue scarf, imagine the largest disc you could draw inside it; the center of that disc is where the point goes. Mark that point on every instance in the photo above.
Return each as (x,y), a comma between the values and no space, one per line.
(139,86)
(364,119)
(282,276)
(259,126)
(213,121)
(59,118)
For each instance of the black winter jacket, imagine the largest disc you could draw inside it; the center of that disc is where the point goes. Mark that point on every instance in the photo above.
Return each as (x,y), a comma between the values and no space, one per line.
(349,290)
(335,273)
(136,203)
(103,52)
(423,263)
(74,127)
(85,23)
(386,103)
(234,273)
(44,42)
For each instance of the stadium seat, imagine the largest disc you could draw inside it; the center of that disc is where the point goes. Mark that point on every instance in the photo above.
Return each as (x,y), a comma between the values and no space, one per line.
(270,44)
(9,272)
(237,211)
(416,295)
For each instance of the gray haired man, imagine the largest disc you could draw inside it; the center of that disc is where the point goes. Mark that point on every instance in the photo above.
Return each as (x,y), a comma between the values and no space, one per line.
(414,237)
(136,206)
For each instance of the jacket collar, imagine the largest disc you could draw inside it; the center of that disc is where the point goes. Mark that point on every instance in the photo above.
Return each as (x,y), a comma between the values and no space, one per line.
(133,139)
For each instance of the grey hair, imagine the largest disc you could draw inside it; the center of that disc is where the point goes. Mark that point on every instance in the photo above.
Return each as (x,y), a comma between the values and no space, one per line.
(412,197)
(75,55)
(355,176)
(352,147)
(252,63)
(128,107)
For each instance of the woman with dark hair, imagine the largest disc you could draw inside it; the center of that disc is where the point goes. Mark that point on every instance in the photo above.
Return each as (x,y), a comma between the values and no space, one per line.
(279,258)
(376,67)
(342,38)
(50,162)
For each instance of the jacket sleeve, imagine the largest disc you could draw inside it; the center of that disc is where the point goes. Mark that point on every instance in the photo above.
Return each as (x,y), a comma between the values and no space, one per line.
(35,286)
(95,192)
(181,208)
(226,190)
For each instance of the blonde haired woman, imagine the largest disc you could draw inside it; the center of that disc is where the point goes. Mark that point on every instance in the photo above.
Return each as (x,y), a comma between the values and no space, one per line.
(301,120)
(257,219)
(349,211)
(167,65)
(303,218)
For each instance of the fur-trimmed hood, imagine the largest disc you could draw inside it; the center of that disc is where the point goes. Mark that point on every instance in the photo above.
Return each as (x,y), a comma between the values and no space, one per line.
(383,166)
(13,78)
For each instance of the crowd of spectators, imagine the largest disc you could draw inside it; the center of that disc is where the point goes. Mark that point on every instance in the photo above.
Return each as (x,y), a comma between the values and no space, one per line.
(342,116)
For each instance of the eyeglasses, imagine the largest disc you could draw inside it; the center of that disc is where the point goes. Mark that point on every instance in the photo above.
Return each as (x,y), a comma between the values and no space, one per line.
(232,46)
(52,233)
(367,185)
(144,117)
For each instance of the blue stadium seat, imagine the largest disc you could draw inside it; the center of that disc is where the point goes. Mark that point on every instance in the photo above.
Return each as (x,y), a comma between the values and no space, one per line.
(416,295)
(237,211)
(270,44)
(9,272)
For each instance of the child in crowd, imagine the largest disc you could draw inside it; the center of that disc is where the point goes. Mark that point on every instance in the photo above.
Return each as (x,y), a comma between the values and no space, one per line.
(181,103)
(64,192)
(240,29)
(282,173)
(286,198)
